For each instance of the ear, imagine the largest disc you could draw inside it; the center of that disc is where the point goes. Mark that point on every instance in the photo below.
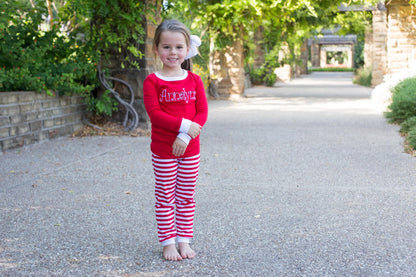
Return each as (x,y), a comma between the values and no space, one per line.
(154,48)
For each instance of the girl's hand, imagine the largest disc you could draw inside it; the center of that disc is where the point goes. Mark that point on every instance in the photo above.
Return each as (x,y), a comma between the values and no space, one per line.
(194,130)
(178,147)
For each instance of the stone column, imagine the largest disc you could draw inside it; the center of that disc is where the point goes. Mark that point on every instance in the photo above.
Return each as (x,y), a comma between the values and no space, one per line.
(227,75)
(379,46)
(259,48)
(350,61)
(322,61)
(401,36)
(304,54)
(315,54)
(368,49)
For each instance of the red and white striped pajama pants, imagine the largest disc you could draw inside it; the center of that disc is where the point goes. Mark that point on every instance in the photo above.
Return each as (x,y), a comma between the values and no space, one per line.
(175,181)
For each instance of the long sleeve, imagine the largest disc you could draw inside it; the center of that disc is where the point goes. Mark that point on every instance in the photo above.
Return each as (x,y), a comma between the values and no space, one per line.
(172,105)
(201,115)
(158,117)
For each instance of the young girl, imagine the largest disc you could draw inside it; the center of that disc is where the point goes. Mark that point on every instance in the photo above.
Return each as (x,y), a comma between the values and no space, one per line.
(177,106)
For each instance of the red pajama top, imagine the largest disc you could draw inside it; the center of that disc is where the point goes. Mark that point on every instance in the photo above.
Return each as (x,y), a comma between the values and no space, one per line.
(167,102)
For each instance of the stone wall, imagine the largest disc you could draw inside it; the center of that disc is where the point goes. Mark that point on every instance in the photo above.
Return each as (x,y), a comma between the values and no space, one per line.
(379,46)
(401,36)
(393,45)
(29,117)
(227,70)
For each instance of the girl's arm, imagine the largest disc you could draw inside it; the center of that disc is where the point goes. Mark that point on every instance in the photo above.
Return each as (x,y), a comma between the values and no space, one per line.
(158,117)
(201,115)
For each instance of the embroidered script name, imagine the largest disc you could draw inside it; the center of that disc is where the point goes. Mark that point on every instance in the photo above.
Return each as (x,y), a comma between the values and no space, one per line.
(175,96)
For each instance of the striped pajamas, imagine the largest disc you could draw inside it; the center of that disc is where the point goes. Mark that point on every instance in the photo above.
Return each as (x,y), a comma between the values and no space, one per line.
(175,181)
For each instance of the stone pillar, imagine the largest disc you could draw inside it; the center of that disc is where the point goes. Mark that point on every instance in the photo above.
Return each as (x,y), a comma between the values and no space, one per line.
(350,61)
(401,36)
(315,54)
(368,49)
(304,55)
(259,48)
(227,75)
(379,46)
(322,61)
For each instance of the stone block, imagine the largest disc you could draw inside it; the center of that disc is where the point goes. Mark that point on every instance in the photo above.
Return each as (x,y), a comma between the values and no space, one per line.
(25,108)
(51,103)
(4,132)
(13,131)
(8,98)
(77,126)
(76,100)
(27,97)
(12,143)
(54,133)
(66,130)
(23,129)
(17,119)
(43,135)
(59,121)
(35,126)
(4,121)
(64,101)
(42,96)
(48,123)
(45,114)
(9,110)
(28,139)
(58,111)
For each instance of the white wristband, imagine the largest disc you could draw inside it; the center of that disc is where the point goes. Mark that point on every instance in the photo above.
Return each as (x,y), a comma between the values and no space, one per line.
(184,137)
(185,125)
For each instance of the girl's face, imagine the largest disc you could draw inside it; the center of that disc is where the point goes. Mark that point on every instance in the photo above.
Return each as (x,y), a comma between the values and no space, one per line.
(172,49)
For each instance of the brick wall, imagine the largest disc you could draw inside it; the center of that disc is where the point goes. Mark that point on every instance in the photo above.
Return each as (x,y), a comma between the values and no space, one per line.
(29,117)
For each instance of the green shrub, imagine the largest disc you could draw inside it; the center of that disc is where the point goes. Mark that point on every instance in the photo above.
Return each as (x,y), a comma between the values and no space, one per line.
(270,79)
(411,137)
(37,57)
(408,124)
(403,104)
(265,74)
(363,76)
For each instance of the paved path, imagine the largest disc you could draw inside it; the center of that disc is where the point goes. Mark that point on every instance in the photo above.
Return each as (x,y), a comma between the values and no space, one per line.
(304,179)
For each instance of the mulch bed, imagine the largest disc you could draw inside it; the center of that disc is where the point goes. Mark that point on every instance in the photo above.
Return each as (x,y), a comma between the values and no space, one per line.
(100,126)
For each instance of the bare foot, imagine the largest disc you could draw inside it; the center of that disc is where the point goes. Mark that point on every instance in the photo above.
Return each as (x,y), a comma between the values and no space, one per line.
(170,253)
(186,251)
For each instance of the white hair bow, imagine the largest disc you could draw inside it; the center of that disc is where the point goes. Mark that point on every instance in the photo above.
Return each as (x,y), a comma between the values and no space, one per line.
(193,49)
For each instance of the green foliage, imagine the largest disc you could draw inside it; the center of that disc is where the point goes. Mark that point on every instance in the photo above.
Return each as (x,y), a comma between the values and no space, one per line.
(407,125)
(403,104)
(41,60)
(265,74)
(363,76)
(103,105)
(63,58)
(262,76)
(116,27)
(411,137)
